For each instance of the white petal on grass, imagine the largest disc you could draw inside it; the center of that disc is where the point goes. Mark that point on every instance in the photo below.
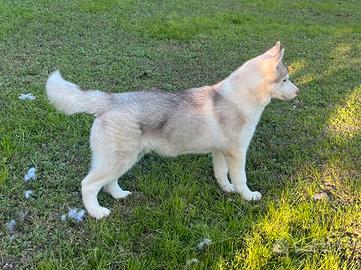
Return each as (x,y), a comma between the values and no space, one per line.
(30,175)
(75,214)
(192,261)
(28,96)
(28,193)
(11,225)
(72,212)
(80,215)
(204,244)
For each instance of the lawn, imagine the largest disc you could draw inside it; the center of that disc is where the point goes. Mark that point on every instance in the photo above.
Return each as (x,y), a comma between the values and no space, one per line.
(302,148)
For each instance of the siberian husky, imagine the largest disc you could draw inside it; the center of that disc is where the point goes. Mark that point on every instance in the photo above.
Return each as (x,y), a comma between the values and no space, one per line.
(218,119)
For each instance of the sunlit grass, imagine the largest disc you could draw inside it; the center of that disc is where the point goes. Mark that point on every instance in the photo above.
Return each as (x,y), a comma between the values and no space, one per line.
(345,122)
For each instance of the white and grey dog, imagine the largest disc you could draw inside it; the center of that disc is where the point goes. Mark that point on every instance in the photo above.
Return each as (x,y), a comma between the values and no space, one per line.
(218,119)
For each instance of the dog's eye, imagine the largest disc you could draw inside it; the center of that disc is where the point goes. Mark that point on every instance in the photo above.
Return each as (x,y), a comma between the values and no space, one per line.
(284,80)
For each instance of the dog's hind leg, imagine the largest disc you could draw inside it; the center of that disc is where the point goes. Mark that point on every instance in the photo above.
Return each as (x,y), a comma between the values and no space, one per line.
(115,190)
(103,173)
(220,172)
(115,148)
(90,187)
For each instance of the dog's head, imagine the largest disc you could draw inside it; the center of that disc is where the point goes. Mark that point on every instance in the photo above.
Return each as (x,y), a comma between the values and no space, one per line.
(267,75)
(275,73)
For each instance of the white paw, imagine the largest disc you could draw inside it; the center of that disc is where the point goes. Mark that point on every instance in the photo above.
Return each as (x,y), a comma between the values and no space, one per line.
(252,196)
(121,194)
(229,188)
(99,212)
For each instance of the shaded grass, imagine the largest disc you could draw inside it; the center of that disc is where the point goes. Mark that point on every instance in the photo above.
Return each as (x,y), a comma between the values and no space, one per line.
(309,145)
(184,29)
(13,17)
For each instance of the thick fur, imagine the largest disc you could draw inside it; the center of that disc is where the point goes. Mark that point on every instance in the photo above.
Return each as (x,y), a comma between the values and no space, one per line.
(69,99)
(218,119)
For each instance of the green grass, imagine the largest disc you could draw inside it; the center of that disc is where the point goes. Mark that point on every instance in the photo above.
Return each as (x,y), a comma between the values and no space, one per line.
(300,148)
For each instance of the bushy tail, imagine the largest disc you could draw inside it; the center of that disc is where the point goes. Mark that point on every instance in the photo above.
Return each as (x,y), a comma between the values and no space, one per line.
(69,98)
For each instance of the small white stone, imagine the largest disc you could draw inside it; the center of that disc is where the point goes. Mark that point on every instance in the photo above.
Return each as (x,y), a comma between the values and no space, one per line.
(320,196)
(280,248)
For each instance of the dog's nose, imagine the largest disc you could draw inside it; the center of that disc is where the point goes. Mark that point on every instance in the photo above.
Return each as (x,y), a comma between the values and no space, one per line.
(297,92)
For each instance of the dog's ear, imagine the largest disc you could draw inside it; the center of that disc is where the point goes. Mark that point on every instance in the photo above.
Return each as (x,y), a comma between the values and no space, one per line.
(279,57)
(281,68)
(275,50)
(277,54)
(273,65)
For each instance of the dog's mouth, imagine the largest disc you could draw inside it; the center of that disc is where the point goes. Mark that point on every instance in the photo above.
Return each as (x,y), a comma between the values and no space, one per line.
(287,98)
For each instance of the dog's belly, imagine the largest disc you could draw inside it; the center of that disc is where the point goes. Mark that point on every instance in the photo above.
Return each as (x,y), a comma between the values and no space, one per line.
(167,147)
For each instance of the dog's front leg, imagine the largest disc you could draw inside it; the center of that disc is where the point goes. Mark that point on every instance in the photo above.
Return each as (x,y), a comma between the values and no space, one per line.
(236,163)
(220,172)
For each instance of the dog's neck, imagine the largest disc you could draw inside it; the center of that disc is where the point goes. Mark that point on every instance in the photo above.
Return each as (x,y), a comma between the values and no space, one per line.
(249,102)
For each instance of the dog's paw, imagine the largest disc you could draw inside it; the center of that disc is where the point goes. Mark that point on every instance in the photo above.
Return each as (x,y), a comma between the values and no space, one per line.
(229,188)
(252,196)
(121,194)
(99,212)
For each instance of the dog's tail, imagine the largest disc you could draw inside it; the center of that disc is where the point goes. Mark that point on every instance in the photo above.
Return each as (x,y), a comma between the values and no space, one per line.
(69,98)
